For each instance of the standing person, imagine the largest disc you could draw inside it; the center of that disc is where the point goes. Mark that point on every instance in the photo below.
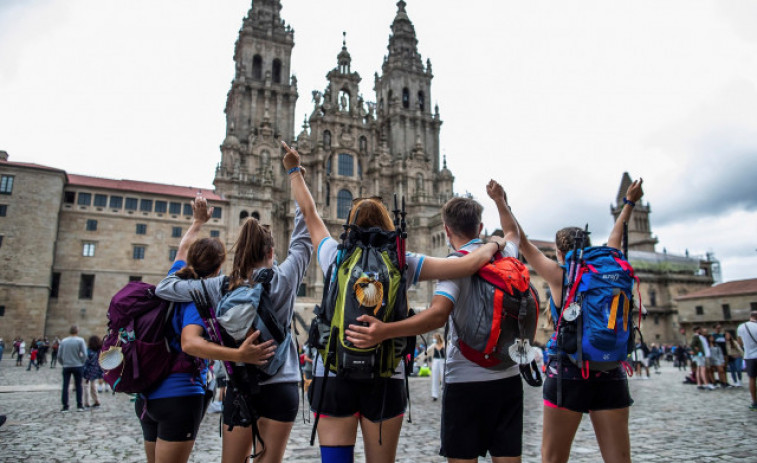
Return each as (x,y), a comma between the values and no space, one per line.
(682,356)
(33,354)
(437,366)
(20,353)
(54,352)
(72,354)
(277,403)
(604,395)
(347,404)
(640,356)
(735,358)
(747,333)
(92,372)
(702,356)
(2,348)
(718,360)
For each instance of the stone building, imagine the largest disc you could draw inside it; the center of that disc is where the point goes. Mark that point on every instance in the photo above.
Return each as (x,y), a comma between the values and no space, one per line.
(727,304)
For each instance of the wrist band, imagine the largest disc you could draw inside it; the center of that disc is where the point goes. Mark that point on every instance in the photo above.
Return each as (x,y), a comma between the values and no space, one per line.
(293,170)
(628,201)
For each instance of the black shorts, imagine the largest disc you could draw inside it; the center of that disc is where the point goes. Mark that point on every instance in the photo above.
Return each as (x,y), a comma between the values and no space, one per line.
(220,382)
(482,416)
(377,400)
(603,390)
(751,368)
(278,402)
(173,419)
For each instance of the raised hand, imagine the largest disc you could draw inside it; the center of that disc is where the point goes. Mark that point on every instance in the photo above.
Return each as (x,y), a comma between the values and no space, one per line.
(634,192)
(291,158)
(200,212)
(495,190)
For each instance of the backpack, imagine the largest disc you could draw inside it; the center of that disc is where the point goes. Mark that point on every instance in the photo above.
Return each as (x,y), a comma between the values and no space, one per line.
(248,308)
(136,354)
(499,322)
(595,328)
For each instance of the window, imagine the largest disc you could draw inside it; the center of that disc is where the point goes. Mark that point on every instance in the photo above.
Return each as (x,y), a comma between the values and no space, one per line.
(6,184)
(138,253)
(88,250)
(3,210)
(86,286)
(54,285)
(187,209)
(255,215)
(131,204)
(2,310)
(346,165)
(217,211)
(101,200)
(215,233)
(160,206)
(276,71)
(85,199)
(405,98)
(141,229)
(135,278)
(257,67)
(1,241)
(116,202)
(243,216)
(753,306)
(699,310)
(69,197)
(726,311)
(328,194)
(91,225)
(145,205)
(176,232)
(652,298)
(172,254)
(421,101)
(327,139)
(174,208)
(343,203)
(328,166)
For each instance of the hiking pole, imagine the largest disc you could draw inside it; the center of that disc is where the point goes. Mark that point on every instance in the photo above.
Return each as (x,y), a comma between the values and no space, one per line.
(624,240)
(403,234)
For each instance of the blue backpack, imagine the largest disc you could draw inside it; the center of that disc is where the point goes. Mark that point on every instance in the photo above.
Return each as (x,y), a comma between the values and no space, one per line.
(595,328)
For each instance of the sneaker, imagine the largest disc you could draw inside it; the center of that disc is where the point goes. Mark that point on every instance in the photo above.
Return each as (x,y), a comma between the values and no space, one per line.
(80,409)
(737,384)
(711,387)
(701,387)
(64,409)
(96,405)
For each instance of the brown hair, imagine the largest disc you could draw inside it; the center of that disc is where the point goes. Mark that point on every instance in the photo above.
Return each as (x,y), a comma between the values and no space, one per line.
(203,259)
(371,213)
(462,216)
(95,343)
(565,239)
(252,247)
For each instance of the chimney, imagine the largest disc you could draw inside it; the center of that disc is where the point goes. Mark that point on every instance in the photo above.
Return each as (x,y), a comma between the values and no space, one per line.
(3,155)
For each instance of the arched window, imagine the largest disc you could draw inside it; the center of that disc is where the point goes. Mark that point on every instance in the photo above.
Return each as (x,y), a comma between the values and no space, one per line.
(242,217)
(327,139)
(421,101)
(257,67)
(255,215)
(363,144)
(405,98)
(346,165)
(343,203)
(276,71)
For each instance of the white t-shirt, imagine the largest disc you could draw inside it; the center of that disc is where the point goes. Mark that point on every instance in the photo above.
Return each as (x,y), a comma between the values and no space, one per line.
(326,255)
(750,347)
(458,369)
(705,345)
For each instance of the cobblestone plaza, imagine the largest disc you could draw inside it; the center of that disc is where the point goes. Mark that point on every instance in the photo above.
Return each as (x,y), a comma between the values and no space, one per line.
(670,421)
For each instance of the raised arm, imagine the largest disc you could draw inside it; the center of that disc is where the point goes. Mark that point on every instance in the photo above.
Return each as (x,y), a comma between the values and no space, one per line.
(543,265)
(633,194)
(200,215)
(439,268)
(506,219)
(315,225)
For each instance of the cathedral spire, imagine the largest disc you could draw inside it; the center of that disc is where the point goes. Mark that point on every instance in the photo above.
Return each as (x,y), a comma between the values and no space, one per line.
(403,44)
(344,59)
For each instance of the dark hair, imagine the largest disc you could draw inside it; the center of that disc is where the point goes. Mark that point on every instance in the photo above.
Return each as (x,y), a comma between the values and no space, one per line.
(697,328)
(95,343)
(371,212)
(203,259)
(253,245)
(565,239)
(462,216)
(73,330)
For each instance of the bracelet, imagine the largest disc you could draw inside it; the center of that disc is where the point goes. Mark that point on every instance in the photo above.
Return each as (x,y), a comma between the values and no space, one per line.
(293,170)
(628,201)
(498,248)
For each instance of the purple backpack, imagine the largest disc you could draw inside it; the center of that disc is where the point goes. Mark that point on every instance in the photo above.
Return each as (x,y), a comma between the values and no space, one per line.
(136,355)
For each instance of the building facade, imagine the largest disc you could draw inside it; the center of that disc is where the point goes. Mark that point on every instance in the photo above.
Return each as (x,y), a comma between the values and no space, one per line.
(727,304)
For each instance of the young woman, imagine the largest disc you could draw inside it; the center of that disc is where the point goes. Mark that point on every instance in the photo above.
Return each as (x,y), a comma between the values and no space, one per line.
(92,372)
(171,413)
(717,357)
(735,357)
(277,403)
(605,394)
(437,351)
(346,403)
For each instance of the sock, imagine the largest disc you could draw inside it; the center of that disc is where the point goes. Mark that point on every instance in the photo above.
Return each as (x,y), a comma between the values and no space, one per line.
(338,454)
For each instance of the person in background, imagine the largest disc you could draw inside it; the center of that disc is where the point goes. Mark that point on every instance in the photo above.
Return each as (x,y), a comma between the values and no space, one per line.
(72,354)
(92,372)
(20,353)
(748,339)
(735,358)
(2,349)
(33,353)
(54,352)
(437,352)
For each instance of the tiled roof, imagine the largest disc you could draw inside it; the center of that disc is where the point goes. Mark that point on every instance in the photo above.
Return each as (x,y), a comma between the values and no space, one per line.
(142,187)
(731,288)
(31,165)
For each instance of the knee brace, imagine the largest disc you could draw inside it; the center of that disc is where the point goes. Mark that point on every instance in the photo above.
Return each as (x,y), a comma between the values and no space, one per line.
(338,454)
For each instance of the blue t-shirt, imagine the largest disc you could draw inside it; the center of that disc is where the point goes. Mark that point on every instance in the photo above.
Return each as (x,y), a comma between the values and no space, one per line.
(182,384)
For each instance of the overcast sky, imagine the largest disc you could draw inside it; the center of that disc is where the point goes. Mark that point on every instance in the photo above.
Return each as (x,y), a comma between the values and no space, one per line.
(553,99)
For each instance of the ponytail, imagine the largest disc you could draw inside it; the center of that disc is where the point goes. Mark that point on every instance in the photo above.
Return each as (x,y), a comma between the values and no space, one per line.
(251,249)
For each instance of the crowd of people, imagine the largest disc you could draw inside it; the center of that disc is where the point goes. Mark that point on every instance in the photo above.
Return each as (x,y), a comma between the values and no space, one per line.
(36,352)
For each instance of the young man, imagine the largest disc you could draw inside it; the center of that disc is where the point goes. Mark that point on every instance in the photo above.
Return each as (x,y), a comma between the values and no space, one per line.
(72,353)
(747,333)
(482,409)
